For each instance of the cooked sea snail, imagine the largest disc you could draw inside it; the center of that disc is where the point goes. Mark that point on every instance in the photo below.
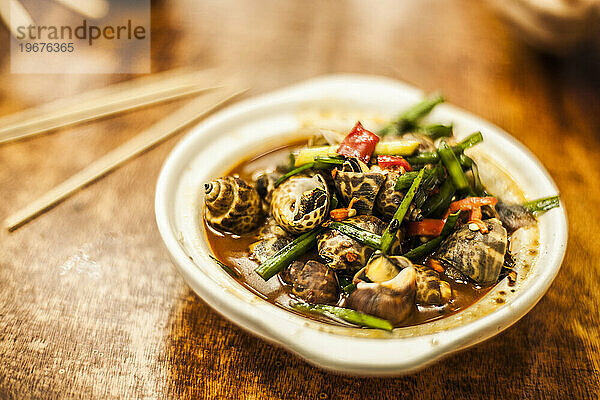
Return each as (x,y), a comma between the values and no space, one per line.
(345,253)
(312,281)
(343,263)
(514,216)
(431,289)
(393,300)
(232,205)
(272,238)
(478,256)
(300,203)
(388,199)
(361,186)
(382,267)
(265,184)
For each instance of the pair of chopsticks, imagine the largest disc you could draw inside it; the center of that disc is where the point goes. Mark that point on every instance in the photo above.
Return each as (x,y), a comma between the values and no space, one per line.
(116,98)
(107,101)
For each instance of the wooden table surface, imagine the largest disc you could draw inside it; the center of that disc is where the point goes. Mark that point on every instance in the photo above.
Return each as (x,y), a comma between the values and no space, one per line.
(91,306)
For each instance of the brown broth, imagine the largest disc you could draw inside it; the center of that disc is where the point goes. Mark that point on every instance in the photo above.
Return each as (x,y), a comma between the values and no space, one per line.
(233,250)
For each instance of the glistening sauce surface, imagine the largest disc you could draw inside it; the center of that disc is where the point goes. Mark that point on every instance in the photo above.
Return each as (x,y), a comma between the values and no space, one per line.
(233,250)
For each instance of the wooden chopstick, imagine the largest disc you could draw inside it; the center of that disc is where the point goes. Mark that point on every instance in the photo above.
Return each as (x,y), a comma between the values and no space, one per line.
(130,88)
(158,132)
(107,101)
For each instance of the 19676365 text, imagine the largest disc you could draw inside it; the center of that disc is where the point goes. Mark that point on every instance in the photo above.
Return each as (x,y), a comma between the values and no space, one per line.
(48,47)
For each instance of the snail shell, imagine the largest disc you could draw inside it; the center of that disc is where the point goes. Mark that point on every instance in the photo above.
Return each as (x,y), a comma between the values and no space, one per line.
(363,186)
(300,203)
(383,267)
(312,281)
(271,239)
(344,252)
(232,205)
(393,300)
(431,289)
(476,255)
(265,184)
(389,198)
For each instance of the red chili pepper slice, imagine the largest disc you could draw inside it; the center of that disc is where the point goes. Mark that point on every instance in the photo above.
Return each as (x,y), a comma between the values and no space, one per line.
(426,227)
(480,224)
(359,143)
(476,213)
(470,203)
(435,264)
(393,161)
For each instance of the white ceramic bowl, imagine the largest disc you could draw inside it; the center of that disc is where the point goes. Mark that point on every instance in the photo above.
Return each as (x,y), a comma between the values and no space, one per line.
(260,123)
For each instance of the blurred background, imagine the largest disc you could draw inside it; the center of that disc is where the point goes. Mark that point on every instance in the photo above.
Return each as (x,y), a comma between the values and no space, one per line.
(87,289)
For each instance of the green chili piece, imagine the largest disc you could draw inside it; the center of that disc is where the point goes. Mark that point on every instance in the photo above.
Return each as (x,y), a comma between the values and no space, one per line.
(543,204)
(225,267)
(348,315)
(361,235)
(289,253)
(293,172)
(452,166)
(409,119)
(436,131)
(432,157)
(388,237)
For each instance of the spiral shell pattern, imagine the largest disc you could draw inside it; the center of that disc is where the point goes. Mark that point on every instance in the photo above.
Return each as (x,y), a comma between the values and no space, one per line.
(361,186)
(431,289)
(388,199)
(312,281)
(272,238)
(300,203)
(393,300)
(474,254)
(232,205)
(345,253)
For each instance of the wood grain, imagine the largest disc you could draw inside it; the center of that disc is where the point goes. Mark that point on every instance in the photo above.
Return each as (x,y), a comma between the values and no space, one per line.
(91,307)
(192,112)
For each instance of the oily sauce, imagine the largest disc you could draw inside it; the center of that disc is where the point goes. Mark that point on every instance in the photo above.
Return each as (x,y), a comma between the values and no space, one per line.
(233,250)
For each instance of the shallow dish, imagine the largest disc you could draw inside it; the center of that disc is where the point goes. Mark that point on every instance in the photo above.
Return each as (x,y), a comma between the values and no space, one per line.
(337,101)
